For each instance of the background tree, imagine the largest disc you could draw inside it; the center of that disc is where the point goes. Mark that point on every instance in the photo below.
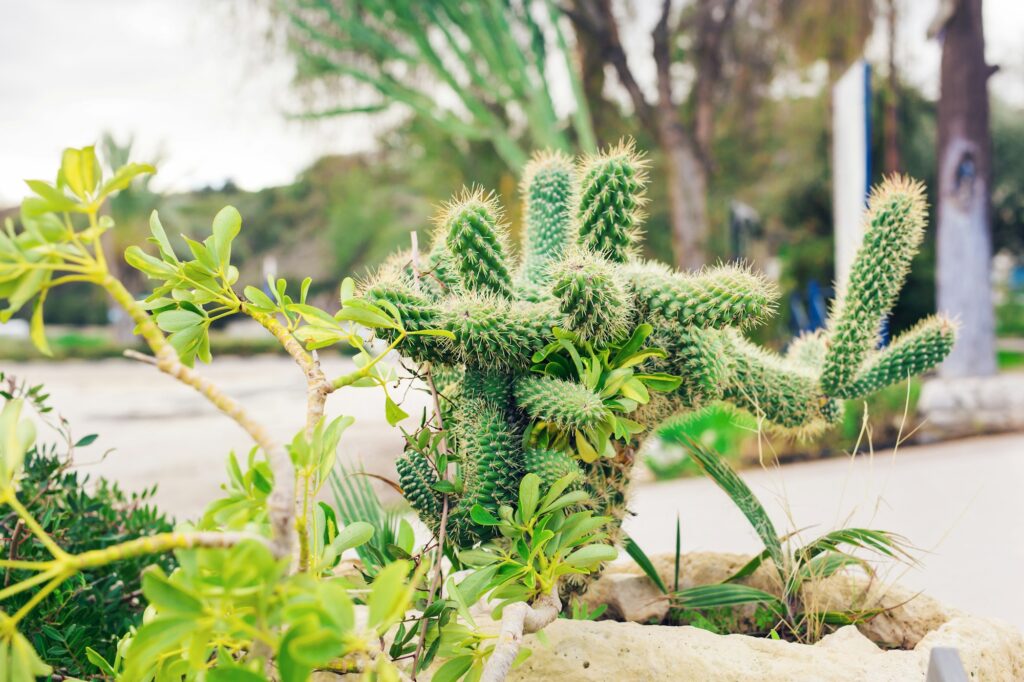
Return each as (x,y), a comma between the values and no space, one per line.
(964,253)
(477,71)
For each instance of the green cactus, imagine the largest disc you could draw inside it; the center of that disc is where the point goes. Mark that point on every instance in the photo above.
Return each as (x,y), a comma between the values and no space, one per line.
(592,297)
(895,227)
(610,200)
(548,195)
(475,239)
(569,367)
(550,465)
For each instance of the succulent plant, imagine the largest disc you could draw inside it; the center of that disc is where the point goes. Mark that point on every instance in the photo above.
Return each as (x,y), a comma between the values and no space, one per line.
(535,374)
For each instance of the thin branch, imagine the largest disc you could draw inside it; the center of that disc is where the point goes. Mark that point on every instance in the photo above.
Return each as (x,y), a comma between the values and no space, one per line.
(598,19)
(517,620)
(281,502)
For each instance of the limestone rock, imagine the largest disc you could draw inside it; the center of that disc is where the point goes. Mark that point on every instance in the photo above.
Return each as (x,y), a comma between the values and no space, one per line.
(608,650)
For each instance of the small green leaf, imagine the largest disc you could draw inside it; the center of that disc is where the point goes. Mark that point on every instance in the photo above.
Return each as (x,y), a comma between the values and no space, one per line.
(482,516)
(388,596)
(591,555)
(529,495)
(348,290)
(36,329)
(392,412)
(167,596)
(123,177)
(453,669)
(86,440)
(226,226)
(353,535)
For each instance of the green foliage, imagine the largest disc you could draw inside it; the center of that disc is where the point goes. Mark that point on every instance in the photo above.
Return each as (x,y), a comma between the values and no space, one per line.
(794,567)
(540,542)
(96,606)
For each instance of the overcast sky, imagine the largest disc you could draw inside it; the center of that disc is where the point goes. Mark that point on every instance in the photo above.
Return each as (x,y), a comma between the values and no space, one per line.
(197,86)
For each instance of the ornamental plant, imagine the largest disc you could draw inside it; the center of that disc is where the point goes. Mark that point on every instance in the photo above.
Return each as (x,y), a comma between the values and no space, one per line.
(565,360)
(252,591)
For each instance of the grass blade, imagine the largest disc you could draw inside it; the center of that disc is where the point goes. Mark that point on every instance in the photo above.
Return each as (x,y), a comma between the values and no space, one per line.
(643,561)
(724,594)
(719,471)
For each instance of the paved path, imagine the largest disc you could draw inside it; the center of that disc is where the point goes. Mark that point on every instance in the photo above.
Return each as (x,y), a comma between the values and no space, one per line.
(960,501)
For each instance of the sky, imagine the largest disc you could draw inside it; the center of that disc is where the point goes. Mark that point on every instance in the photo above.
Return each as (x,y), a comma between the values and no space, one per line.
(200,88)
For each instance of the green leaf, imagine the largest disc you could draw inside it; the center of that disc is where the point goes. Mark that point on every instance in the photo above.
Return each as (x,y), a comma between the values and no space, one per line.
(226,226)
(146,264)
(123,177)
(259,299)
(36,329)
(348,290)
(529,495)
(97,660)
(392,412)
(453,669)
(156,639)
(86,440)
(233,673)
(388,596)
(80,170)
(160,238)
(351,536)
(591,555)
(482,516)
(643,561)
(719,471)
(168,597)
(178,319)
(55,199)
(726,594)
(662,383)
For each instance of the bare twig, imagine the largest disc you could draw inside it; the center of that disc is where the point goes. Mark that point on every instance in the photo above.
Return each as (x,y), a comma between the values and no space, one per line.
(435,580)
(517,620)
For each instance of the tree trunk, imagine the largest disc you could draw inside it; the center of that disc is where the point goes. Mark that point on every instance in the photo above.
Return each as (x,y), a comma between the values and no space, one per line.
(686,181)
(964,253)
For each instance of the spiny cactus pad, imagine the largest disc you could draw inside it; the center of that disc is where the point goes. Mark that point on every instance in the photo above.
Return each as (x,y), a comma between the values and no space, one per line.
(581,285)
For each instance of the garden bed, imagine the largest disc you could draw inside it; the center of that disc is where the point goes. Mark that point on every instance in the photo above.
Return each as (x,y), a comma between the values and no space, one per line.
(894,645)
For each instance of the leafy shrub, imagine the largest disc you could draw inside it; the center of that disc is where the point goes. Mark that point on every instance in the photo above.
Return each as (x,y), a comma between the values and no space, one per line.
(95,607)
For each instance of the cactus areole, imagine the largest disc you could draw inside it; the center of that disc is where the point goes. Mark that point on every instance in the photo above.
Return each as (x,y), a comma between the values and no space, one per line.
(568,359)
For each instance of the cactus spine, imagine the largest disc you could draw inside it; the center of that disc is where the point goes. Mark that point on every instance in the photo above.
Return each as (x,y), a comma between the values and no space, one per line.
(580,275)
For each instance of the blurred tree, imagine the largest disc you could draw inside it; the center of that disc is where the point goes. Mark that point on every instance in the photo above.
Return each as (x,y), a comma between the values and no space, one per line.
(477,70)
(964,260)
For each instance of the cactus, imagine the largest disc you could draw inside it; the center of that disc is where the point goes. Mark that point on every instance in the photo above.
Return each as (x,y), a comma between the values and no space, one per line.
(588,342)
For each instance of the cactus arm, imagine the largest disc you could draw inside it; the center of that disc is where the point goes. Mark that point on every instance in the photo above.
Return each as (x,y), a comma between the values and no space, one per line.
(895,227)
(785,395)
(568,404)
(593,298)
(417,477)
(495,333)
(475,238)
(717,297)
(611,197)
(548,189)
(550,465)
(913,352)
(698,356)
